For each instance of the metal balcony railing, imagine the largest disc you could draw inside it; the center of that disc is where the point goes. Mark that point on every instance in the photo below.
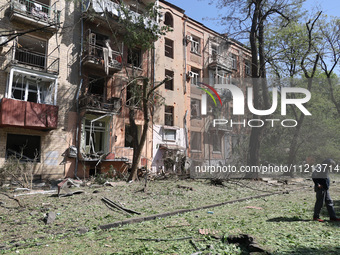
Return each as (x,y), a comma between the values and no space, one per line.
(97,55)
(36,10)
(97,102)
(31,59)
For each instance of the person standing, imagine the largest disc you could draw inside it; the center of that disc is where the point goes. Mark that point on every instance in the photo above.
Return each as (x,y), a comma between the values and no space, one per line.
(321,180)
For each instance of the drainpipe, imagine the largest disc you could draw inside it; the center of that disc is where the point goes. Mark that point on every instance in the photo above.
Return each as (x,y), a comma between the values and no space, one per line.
(184,84)
(79,88)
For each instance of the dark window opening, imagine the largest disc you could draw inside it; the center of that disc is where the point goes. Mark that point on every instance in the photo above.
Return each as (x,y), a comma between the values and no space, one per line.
(130,136)
(134,57)
(26,148)
(217,145)
(170,83)
(168,20)
(169,116)
(195,108)
(96,85)
(195,141)
(169,48)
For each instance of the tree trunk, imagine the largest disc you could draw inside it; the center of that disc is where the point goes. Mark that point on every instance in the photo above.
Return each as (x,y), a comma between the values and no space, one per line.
(137,153)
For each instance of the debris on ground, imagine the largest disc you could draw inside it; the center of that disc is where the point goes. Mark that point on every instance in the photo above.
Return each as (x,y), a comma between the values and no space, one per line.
(119,207)
(66,184)
(50,217)
(253,207)
(185,187)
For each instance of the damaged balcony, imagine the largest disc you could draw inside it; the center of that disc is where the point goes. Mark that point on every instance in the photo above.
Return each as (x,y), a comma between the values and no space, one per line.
(96,103)
(36,13)
(95,10)
(99,54)
(33,60)
(16,113)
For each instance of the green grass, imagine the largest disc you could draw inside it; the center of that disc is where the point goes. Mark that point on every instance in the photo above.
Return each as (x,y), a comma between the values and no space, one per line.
(283,226)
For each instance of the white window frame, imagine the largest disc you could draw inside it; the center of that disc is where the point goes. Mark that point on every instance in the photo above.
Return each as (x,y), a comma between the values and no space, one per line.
(247,69)
(195,78)
(46,78)
(234,61)
(195,45)
(166,136)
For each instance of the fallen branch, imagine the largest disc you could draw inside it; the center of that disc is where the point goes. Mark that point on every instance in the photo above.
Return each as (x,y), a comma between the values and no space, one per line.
(164,240)
(115,205)
(13,198)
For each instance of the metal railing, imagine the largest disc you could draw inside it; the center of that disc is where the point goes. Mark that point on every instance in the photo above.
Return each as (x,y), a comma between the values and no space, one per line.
(98,102)
(96,54)
(36,10)
(39,61)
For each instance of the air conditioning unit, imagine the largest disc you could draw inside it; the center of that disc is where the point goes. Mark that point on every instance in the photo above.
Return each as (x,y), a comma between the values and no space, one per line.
(189,37)
(191,74)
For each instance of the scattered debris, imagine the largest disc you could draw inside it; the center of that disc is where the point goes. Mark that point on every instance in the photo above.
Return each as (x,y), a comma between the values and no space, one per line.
(210,212)
(83,230)
(119,207)
(36,192)
(21,189)
(247,241)
(72,193)
(161,240)
(204,231)
(67,183)
(185,187)
(50,217)
(13,198)
(253,207)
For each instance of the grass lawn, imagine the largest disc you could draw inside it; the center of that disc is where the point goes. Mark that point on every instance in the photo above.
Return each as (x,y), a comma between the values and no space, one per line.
(281,224)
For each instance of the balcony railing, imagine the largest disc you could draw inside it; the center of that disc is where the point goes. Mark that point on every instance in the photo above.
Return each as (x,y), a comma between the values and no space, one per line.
(33,60)
(36,10)
(17,113)
(96,102)
(219,60)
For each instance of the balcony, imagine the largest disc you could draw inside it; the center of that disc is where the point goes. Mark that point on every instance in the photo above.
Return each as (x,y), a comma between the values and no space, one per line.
(32,60)
(96,56)
(35,13)
(17,113)
(96,103)
(116,11)
(219,61)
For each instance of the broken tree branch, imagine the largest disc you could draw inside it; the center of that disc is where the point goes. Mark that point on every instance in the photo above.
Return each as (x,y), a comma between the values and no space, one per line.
(13,198)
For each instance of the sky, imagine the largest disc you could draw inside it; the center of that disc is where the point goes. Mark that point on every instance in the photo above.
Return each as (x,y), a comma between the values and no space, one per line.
(200,9)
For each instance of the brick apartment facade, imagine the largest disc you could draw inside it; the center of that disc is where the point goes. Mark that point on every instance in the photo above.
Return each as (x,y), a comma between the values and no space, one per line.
(64,95)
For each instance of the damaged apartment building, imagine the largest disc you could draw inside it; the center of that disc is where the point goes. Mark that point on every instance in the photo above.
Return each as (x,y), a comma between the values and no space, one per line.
(194,55)
(64,91)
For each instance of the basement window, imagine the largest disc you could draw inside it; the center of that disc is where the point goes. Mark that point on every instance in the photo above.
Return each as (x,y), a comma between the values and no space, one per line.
(26,148)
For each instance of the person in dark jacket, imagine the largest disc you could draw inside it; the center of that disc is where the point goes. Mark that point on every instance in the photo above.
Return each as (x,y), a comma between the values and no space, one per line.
(321,180)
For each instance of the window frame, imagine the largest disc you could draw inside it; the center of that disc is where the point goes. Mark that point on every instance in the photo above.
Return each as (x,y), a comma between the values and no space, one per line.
(233,61)
(170,19)
(198,111)
(169,115)
(197,76)
(216,140)
(166,138)
(247,67)
(26,158)
(169,48)
(196,136)
(169,85)
(131,57)
(195,45)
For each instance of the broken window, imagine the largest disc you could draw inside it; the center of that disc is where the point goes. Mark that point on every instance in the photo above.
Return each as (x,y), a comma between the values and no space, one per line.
(169,116)
(170,83)
(169,48)
(247,67)
(95,136)
(195,141)
(134,57)
(196,45)
(168,20)
(23,147)
(195,76)
(129,135)
(233,61)
(222,77)
(195,108)
(96,85)
(169,135)
(31,88)
(216,141)
(31,51)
